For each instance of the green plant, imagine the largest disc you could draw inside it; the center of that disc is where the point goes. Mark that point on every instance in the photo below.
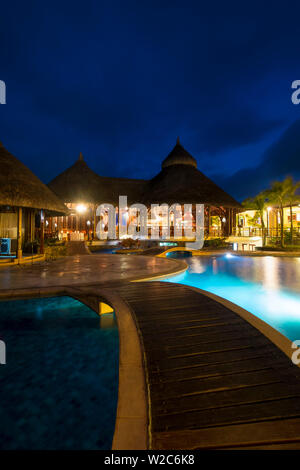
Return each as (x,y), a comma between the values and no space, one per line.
(55,251)
(129,243)
(258,203)
(215,243)
(282,193)
(51,241)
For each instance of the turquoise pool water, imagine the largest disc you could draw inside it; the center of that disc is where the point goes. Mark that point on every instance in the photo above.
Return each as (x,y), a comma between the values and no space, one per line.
(60,383)
(268,287)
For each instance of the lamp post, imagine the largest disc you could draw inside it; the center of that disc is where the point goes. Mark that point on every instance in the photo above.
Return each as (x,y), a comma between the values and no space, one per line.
(80,209)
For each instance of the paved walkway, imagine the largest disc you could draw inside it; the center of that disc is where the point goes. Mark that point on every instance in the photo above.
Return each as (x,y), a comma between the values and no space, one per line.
(85,270)
(77,248)
(211,379)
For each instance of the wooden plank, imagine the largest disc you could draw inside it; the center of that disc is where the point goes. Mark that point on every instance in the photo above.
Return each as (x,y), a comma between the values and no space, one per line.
(208,369)
(163,393)
(278,408)
(277,434)
(219,369)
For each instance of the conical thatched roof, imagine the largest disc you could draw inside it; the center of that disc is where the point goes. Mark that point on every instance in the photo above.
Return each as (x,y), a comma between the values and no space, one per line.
(78,184)
(81,184)
(179,156)
(180,181)
(19,187)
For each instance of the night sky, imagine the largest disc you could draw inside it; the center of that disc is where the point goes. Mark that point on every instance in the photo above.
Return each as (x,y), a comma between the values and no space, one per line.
(120,80)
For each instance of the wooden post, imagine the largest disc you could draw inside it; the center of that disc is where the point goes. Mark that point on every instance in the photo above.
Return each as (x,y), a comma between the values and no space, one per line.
(227,223)
(234,212)
(231,221)
(19,235)
(32,225)
(94,227)
(42,234)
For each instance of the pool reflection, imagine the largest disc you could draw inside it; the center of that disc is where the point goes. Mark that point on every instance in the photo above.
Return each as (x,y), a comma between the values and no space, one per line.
(267,286)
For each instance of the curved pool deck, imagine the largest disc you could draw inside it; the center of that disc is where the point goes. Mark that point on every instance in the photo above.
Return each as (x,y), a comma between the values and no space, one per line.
(194,372)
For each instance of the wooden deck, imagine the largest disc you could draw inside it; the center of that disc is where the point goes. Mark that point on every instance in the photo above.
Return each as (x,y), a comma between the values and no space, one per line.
(214,381)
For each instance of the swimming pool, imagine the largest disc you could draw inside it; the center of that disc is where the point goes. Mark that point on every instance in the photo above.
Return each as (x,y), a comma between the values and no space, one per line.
(59,386)
(268,287)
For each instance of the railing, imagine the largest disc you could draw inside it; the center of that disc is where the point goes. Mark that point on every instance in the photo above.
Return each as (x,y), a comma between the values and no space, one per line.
(247,232)
(270,233)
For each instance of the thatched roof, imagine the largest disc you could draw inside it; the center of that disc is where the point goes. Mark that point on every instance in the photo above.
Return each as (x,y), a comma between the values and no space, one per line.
(81,184)
(132,188)
(78,184)
(179,156)
(180,181)
(19,187)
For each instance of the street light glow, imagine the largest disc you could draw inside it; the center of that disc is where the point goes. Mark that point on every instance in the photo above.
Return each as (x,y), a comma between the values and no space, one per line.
(81,208)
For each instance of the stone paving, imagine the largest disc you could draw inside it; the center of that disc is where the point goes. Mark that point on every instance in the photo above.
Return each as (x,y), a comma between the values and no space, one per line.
(85,270)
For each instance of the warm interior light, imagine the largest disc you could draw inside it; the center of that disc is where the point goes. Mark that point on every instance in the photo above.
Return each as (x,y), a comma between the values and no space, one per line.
(269,208)
(88,222)
(81,208)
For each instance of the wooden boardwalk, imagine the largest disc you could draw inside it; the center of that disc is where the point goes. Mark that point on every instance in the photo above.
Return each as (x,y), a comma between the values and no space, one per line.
(214,381)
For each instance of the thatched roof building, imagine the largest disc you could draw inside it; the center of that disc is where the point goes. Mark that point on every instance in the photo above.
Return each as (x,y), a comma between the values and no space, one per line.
(132,188)
(19,187)
(180,181)
(78,184)
(81,184)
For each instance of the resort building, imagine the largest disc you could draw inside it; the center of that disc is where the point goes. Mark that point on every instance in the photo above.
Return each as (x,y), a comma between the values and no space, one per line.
(179,182)
(82,191)
(248,233)
(25,202)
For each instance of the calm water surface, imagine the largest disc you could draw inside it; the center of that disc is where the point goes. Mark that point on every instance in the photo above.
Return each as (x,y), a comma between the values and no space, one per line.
(60,383)
(268,287)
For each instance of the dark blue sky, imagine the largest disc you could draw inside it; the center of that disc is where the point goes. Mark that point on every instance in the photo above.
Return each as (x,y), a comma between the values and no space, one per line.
(119,80)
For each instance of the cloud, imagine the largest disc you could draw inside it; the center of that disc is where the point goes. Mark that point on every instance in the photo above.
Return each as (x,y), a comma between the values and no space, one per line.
(280,160)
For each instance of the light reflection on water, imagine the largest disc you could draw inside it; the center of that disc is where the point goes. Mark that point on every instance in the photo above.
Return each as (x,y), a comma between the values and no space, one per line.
(268,287)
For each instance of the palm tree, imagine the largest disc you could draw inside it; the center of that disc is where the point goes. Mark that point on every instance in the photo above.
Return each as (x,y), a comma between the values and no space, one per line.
(291,199)
(282,193)
(259,204)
